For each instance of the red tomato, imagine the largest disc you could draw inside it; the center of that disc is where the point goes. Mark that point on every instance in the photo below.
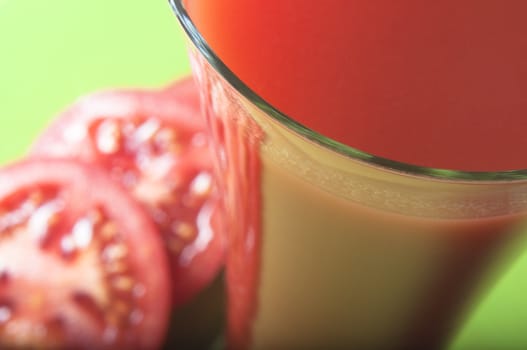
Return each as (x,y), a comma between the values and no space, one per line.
(81,265)
(154,144)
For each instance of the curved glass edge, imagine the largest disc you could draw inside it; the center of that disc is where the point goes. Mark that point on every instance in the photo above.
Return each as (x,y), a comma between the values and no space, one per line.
(347,151)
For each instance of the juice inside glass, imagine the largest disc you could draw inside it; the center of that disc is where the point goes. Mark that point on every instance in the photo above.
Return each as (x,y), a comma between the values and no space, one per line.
(370,159)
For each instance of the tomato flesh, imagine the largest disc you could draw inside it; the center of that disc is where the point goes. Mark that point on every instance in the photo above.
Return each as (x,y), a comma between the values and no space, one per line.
(154,144)
(76,262)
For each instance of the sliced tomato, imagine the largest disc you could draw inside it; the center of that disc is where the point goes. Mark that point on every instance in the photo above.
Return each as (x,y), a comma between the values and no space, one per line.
(81,265)
(154,144)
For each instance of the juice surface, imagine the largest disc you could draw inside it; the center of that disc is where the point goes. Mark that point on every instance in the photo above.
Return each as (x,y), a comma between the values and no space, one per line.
(437,84)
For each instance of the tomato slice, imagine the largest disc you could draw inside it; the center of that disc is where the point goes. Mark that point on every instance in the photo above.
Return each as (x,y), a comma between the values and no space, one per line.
(81,265)
(154,144)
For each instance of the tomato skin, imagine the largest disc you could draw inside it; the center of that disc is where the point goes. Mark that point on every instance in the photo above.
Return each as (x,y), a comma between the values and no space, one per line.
(178,105)
(87,186)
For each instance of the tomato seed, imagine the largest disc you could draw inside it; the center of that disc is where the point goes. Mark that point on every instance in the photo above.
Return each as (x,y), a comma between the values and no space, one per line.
(175,148)
(202,184)
(108,137)
(166,136)
(115,267)
(16,216)
(145,132)
(67,245)
(45,216)
(121,307)
(82,233)
(166,139)
(108,230)
(123,283)
(185,231)
(114,251)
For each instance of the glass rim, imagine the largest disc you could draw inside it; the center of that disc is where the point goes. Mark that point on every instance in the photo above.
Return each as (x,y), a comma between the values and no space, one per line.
(334,146)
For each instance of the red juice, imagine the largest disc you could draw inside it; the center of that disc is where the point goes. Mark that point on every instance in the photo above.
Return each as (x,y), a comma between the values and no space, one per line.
(330,252)
(439,84)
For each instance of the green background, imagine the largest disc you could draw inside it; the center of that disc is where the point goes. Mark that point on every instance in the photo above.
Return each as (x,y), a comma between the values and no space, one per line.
(53,51)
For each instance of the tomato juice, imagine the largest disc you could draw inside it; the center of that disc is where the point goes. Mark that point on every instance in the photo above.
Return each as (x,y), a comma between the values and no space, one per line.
(343,253)
(439,85)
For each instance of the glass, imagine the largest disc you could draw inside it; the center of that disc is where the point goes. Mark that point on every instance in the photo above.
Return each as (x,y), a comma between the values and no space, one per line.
(330,247)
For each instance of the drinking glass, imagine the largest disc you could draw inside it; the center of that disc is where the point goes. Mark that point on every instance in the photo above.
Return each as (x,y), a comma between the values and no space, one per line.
(331,247)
